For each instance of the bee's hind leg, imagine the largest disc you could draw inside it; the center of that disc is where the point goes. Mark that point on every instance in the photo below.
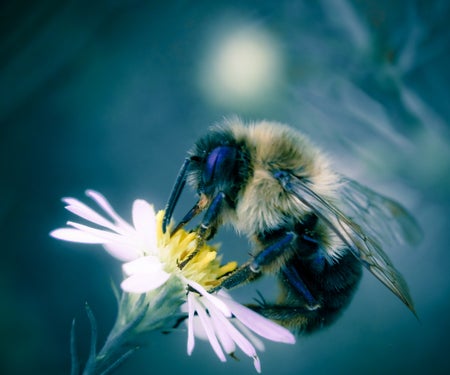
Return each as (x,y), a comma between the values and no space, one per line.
(251,270)
(293,278)
(267,258)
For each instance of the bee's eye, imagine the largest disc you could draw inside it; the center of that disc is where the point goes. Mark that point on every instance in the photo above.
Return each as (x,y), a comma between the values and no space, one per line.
(219,164)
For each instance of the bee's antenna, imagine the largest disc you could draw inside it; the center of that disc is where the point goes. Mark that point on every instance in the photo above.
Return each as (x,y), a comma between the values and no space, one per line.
(175,194)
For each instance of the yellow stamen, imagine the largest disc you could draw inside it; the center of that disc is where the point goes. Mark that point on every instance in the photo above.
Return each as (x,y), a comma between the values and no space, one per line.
(204,268)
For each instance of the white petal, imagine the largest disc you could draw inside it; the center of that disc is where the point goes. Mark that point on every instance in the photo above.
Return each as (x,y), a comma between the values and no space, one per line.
(104,204)
(82,210)
(123,252)
(228,331)
(103,235)
(75,235)
(257,364)
(144,221)
(225,325)
(217,302)
(199,331)
(257,323)
(224,337)
(143,265)
(191,312)
(209,329)
(241,341)
(255,340)
(143,283)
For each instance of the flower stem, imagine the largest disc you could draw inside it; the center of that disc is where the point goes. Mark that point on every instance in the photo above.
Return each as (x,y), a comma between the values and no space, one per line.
(138,315)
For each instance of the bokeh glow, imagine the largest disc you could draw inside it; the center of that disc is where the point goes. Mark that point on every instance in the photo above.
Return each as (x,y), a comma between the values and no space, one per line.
(242,66)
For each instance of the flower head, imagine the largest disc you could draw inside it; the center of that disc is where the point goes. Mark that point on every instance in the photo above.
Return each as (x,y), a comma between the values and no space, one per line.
(157,286)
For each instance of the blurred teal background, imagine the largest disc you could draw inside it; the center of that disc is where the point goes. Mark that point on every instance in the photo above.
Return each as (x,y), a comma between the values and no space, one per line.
(110,95)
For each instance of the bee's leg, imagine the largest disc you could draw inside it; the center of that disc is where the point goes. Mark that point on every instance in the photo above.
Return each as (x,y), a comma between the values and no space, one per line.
(252,269)
(194,211)
(294,279)
(175,194)
(268,255)
(208,225)
(242,275)
(279,249)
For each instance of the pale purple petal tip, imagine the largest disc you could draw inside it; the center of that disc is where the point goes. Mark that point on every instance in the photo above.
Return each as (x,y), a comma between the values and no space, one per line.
(257,364)
(258,324)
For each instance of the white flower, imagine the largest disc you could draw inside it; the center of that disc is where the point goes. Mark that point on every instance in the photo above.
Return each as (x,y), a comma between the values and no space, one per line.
(227,324)
(151,258)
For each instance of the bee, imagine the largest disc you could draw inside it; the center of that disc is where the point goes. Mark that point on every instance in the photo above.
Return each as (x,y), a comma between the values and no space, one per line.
(312,228)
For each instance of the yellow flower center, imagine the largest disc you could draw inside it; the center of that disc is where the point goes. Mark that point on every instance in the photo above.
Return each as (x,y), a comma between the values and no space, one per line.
(204,267)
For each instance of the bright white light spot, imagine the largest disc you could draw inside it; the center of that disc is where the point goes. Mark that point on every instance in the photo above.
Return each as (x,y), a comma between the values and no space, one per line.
(242,67)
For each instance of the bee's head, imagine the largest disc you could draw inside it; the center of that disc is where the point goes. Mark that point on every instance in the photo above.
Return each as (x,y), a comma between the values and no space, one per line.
(222,170)
(218,165)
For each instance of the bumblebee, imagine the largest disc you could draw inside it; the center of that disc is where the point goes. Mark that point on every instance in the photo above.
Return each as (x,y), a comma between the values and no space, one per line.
(312,228)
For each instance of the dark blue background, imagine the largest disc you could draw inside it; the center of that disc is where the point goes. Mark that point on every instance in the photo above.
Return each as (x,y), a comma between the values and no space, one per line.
(106,95)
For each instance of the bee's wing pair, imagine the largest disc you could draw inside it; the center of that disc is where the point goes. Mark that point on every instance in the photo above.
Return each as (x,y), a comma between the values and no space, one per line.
(364,221)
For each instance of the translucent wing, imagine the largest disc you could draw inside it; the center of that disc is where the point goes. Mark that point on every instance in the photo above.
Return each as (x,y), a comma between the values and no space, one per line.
(365,221)
(381,218)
